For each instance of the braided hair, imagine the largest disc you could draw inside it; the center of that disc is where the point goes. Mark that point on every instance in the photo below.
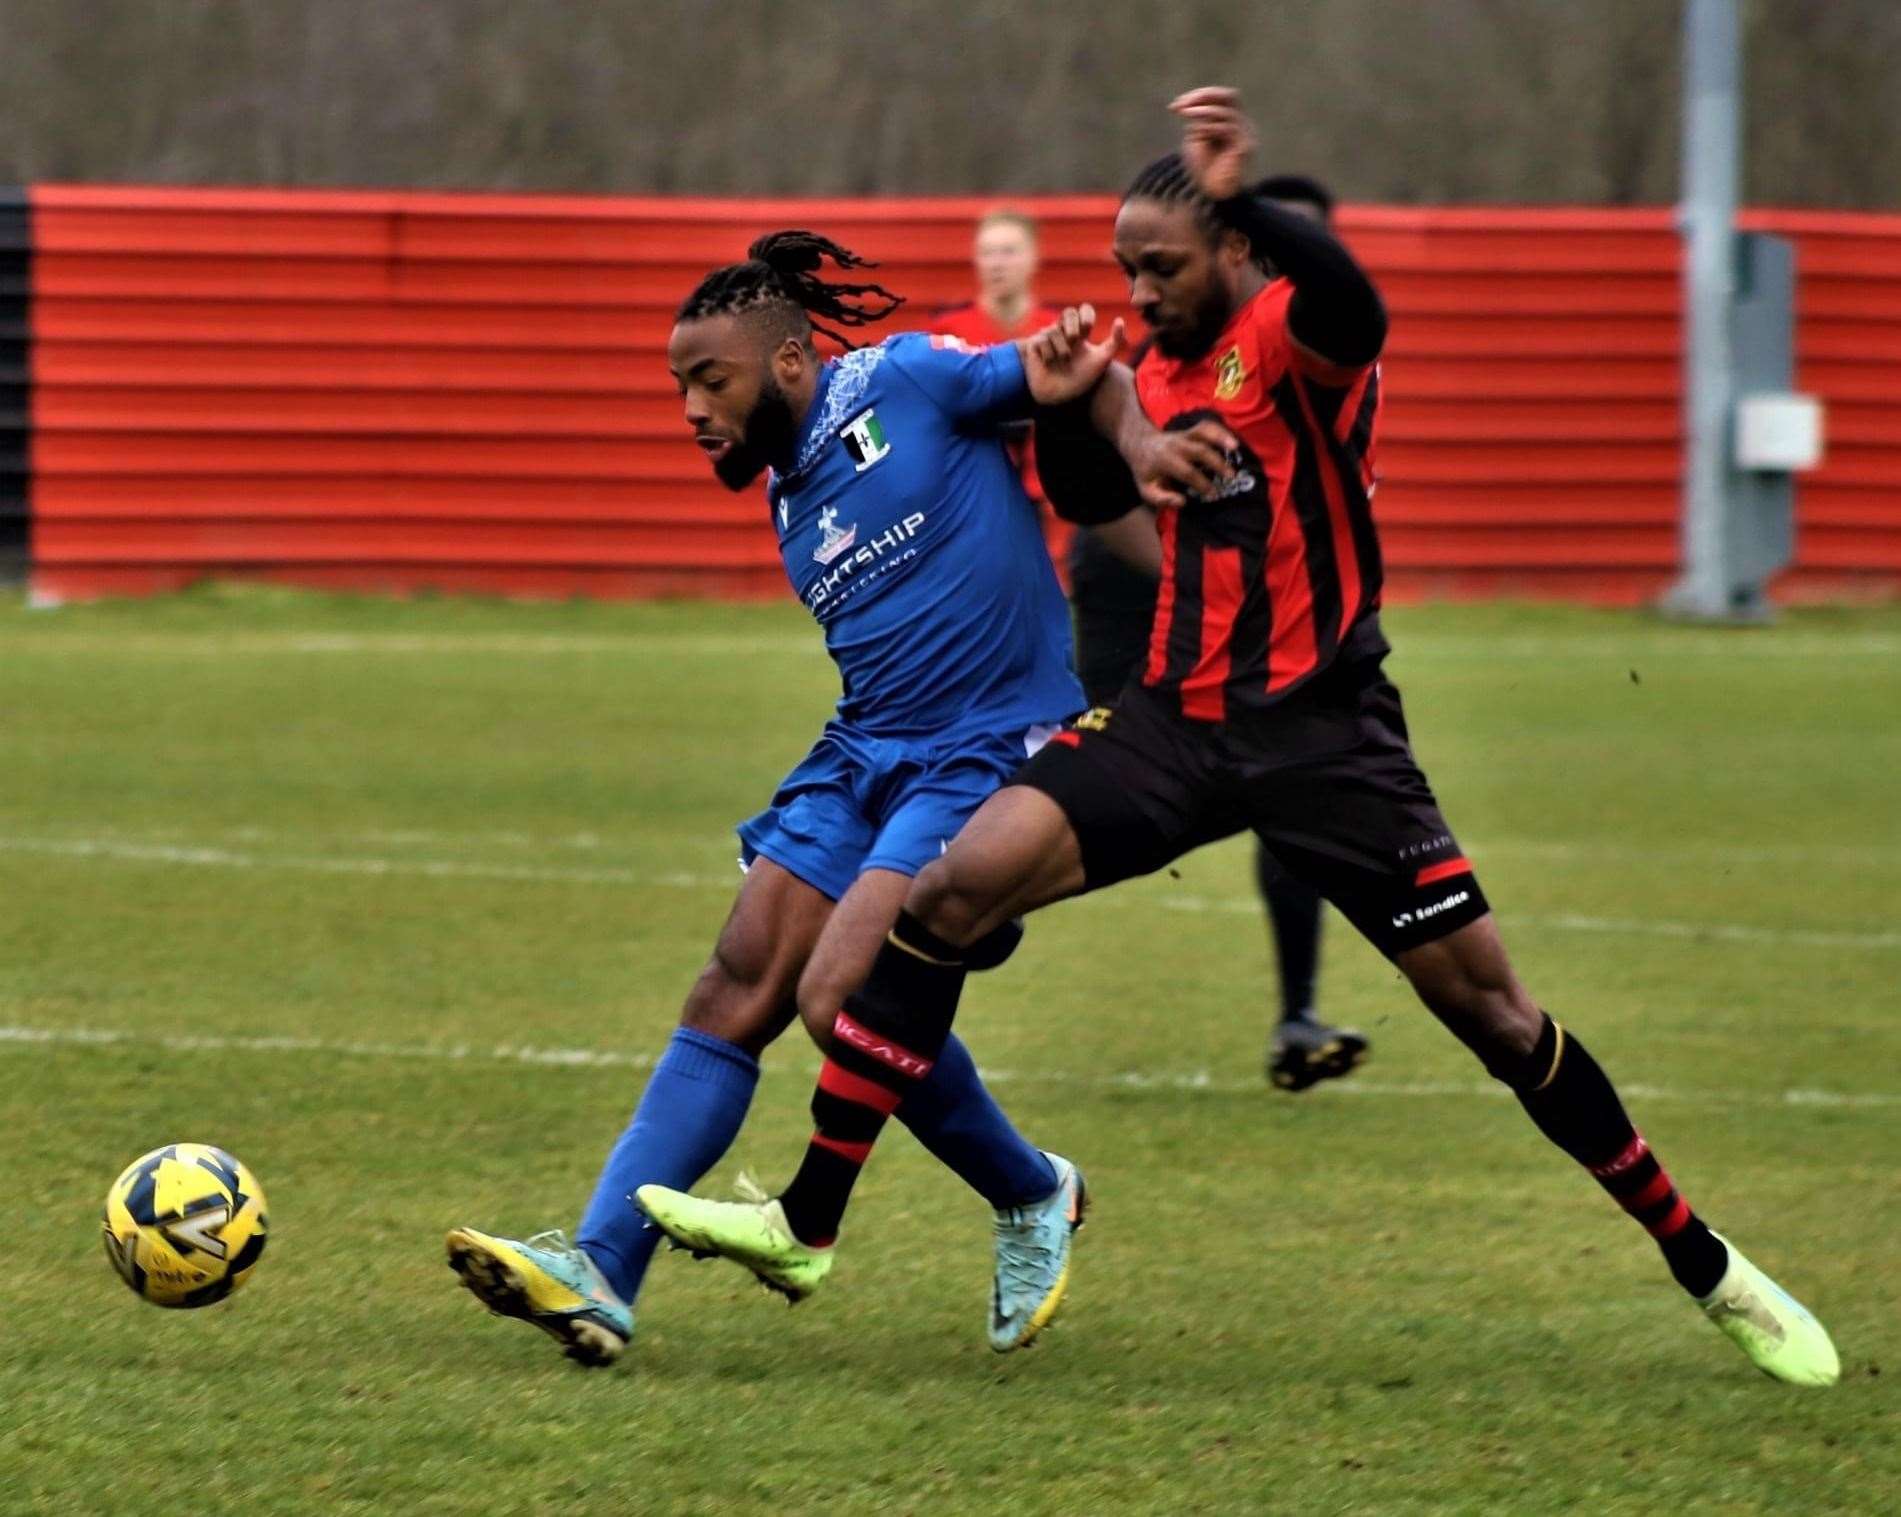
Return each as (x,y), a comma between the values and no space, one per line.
(1167,180)
(782,270)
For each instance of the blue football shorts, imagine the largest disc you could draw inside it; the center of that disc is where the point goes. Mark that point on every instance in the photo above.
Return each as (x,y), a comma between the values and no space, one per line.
(857,802)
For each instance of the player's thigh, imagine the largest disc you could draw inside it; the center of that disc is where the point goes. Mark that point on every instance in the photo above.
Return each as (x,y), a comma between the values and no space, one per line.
(843,955)
(1018,853)
(1340,803)
(1121,792)
(747,992)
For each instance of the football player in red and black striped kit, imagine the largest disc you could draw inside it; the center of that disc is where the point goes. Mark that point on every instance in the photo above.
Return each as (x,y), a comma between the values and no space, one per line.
(1114,577)
(1262,706)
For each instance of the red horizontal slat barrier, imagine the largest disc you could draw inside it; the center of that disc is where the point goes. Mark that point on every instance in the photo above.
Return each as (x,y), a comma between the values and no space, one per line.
(389,390)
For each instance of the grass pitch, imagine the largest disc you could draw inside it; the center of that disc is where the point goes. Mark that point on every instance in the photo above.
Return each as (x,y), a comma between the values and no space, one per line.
(395,900)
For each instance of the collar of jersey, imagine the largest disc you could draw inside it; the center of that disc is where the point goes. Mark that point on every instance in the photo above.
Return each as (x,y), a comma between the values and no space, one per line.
(841,386)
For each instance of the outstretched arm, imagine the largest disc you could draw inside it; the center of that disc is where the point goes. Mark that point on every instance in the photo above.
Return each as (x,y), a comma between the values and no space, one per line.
(1168,467)
(1336,318)
(1100,457)
(1087,399)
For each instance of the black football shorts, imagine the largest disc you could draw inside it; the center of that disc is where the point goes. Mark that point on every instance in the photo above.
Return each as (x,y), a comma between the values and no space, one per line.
(1326,779)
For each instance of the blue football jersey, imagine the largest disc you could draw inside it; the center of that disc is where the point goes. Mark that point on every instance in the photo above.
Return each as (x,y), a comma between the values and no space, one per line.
(906,532)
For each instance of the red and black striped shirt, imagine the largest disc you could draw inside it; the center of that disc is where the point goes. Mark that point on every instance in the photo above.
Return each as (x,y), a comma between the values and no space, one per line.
(1272,582)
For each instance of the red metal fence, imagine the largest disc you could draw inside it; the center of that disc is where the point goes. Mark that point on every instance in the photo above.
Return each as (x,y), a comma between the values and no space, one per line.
(403,389)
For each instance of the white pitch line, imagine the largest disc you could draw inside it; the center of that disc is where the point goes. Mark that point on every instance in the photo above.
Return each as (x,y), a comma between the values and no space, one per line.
(594,843)
(525,644)
(1868,855)
(1864,855)
(96,1037)
(1720,932)
(117,851)
(453,869)
(1195,1082)
(396,837)
(1587,646)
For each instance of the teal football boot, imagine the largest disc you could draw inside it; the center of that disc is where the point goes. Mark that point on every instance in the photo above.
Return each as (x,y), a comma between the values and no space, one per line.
(1033,1251)
(550,1283)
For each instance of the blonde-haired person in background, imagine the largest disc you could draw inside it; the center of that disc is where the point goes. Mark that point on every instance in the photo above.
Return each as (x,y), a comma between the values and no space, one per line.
(1005,253)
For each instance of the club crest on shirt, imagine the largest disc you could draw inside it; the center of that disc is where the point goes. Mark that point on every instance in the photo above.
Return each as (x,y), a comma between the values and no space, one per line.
(834,541)
(864,440)
(1230,374)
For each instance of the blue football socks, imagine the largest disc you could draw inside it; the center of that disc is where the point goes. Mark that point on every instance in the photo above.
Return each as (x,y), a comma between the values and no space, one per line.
(952,1114)
(692,1109)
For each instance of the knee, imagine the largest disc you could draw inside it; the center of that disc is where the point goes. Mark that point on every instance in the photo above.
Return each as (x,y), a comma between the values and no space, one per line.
(950,901)
(820,997)
(1501,1026)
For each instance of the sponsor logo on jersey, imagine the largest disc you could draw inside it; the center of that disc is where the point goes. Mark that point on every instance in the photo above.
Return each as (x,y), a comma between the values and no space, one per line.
(947,341)
(890,547)
(1230,374)
(864,440)
(1237,484)
(834,539)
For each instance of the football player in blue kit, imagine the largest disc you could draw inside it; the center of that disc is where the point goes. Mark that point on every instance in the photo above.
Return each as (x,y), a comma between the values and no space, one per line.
(906,532)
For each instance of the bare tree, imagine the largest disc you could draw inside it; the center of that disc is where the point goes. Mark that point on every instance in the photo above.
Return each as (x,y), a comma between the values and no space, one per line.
(1475,100)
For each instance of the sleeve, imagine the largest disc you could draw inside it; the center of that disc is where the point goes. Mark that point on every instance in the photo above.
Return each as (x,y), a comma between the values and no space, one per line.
(1336,315)
(974,387)
(1083,476)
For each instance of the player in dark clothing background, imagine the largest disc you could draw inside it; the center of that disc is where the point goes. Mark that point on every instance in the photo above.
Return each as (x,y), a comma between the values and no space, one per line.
(1114,574)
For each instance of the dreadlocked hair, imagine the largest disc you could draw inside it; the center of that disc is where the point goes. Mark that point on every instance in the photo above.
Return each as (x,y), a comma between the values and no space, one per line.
(782,269)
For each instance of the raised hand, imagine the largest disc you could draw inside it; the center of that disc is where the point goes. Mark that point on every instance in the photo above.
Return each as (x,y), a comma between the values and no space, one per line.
(1218,139)
(1061,363)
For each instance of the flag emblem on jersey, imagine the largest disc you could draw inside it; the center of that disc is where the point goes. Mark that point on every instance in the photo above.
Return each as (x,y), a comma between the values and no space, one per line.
(835,542)
(864,439)
(1230,374)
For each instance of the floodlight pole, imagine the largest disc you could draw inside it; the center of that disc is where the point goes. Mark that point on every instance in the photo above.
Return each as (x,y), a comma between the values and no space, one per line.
(1707,218)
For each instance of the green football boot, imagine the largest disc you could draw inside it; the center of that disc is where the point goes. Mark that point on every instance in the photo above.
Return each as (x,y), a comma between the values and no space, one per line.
(1774,1329)
(752,1232)
(548,1282)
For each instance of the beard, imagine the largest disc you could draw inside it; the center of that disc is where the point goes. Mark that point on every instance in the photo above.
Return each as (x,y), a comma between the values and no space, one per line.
(1198,335)
(769,434)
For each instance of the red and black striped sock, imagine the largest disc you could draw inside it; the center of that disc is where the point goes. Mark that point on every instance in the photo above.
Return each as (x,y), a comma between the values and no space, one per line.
(1565,1091)
(883,1043)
